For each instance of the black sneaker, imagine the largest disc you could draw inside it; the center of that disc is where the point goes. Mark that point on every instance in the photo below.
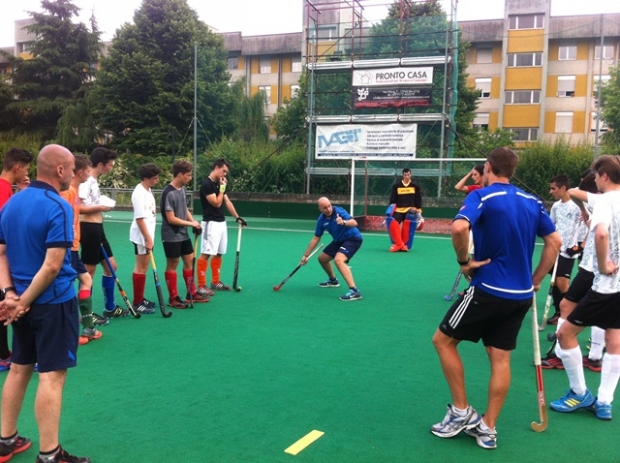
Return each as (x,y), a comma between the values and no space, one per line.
(144,308)
(177,303)
(149,303)
(19,445)
(593,365)
(117,312)
(98,320)
(63,457)
(551,362)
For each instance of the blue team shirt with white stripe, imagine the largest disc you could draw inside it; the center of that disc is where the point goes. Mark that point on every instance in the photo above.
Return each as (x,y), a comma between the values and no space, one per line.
(340,233)
(505,222)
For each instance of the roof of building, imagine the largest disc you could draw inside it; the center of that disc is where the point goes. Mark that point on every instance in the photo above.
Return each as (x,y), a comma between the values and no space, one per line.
(263,44)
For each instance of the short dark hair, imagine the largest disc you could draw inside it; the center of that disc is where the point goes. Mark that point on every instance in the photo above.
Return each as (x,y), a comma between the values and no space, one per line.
(221,162)
(16,156)
(588,183)
(560,181)
(503,162)
(181,167)
(148,170)
(102,155)
(610,165)
(81,162)
(406,170)
(479,168)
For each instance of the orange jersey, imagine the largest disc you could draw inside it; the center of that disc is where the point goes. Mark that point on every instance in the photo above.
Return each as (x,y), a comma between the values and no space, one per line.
(71,196)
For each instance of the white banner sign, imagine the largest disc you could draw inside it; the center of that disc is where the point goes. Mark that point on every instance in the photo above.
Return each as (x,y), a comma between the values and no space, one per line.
(386,142)
(392,76)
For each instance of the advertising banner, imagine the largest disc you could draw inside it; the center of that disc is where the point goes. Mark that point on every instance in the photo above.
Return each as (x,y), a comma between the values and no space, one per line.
(392,77)
(391,97)
(386,142)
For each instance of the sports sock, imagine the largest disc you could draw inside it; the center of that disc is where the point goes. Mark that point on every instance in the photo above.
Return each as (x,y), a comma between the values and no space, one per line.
(557,298)
(202,264)
(171,283)
(609,377)
(216,266)
(395,233)
(557,328)
(107,283)
(9,440)
(573,364)
(85,301)
(459,411)
(139,282)
(597,344)
(188,276)
(48,457)
(5,353)
(406,230)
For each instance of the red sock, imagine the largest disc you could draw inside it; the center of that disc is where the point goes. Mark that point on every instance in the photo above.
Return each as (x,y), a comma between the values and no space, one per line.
(171,283)
(202,270)
(139,282)
(188,276)
(85,294)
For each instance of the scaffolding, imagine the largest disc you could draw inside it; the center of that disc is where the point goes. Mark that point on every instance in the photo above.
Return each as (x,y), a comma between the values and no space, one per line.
(344,36)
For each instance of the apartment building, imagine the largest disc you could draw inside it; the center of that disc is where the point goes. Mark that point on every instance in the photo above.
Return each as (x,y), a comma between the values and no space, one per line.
(538,75)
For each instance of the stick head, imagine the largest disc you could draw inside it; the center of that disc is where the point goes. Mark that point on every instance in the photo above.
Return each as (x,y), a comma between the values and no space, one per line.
(276,288)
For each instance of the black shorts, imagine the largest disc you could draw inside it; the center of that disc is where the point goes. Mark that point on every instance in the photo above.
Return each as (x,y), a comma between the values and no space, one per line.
(347,247)
(176,249)
(565,267)
(478,315)
(597,309)
(579,287)
(92,237)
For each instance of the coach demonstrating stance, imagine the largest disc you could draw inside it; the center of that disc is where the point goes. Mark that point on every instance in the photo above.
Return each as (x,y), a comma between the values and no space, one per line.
(37,277)
(505,223)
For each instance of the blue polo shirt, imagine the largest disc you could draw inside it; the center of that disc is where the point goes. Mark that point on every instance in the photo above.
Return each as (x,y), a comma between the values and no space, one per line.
(505,222)
(340,233)
(31,222)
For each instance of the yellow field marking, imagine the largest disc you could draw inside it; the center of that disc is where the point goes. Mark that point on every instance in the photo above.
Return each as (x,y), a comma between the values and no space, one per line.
(304,442)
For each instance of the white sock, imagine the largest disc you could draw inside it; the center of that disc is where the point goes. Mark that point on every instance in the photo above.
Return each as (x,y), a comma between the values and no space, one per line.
(459,411)
(573,364)
(609,378)
(557,328)
(597,344)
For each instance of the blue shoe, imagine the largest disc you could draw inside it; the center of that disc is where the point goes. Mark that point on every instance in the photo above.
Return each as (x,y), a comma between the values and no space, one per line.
(603,411)
(571,402)
(5,365)
(331,283)
(453,424)
(352,295)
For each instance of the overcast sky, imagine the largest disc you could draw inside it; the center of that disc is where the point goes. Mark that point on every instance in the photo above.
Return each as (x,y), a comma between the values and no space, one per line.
(255,17)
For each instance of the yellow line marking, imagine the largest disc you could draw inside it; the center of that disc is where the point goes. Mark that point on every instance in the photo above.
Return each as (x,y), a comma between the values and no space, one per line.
(304,442)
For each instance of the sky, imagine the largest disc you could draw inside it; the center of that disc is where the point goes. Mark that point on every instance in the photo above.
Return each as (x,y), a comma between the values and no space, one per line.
(257,17)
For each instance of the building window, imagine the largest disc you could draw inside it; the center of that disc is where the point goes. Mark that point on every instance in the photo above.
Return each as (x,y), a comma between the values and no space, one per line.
(294,91)
(296,65)
(566,86)
(481,120)
(527,21)
(233,63)
(524,134)
(567,52)
(564,122)
(608,52)
(327,32)
(484,55)
(264,66)
(524,59)
(602,126)
(523,97)
(266,89)
(484,85)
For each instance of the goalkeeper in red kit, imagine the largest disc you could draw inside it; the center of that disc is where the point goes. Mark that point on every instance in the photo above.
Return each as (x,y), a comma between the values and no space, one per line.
(406,195)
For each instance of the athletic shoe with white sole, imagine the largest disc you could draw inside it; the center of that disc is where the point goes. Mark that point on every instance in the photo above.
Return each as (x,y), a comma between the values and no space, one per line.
(204,291)
(331,283)
(571,402)
(149,303)
(16,445)
(219,286)
(453,424)
(88,335)
(351,295)
(595,365)
(117,312)
(98,320)
(551,362)
(144,308)
(177,303)
(62,456)
(197,297)
(486,438)
(602,411)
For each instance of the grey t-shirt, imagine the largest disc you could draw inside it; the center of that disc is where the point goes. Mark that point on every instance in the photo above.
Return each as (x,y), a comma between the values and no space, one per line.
(173,200)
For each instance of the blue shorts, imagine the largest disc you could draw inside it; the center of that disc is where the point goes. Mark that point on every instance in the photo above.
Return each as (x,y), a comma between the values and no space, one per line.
(48,335)
(347,247)
(77,263)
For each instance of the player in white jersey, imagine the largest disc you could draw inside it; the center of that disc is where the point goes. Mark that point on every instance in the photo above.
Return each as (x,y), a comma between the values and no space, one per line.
(566,216)
(600,305)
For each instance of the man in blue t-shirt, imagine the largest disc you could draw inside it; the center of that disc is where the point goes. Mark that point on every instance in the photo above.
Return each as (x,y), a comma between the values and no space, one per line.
(347,239)
(36,235)
(505,222)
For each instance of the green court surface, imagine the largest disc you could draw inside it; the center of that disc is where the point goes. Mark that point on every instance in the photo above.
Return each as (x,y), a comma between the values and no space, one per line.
(245,376)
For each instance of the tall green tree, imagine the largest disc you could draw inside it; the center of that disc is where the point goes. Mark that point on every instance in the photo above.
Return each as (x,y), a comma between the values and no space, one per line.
(144,93)
(56,75)
(610,108)
(249,114)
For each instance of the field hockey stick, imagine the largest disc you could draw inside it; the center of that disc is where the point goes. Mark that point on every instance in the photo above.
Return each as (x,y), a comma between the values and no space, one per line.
(448,297)
(540,387)
(549,299)
(192,279)
(118,284)
(160,295)
(236,272)
(277,287)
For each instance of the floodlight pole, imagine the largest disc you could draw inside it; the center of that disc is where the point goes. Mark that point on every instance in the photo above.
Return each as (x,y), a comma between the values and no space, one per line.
(195,113)
(351,211)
